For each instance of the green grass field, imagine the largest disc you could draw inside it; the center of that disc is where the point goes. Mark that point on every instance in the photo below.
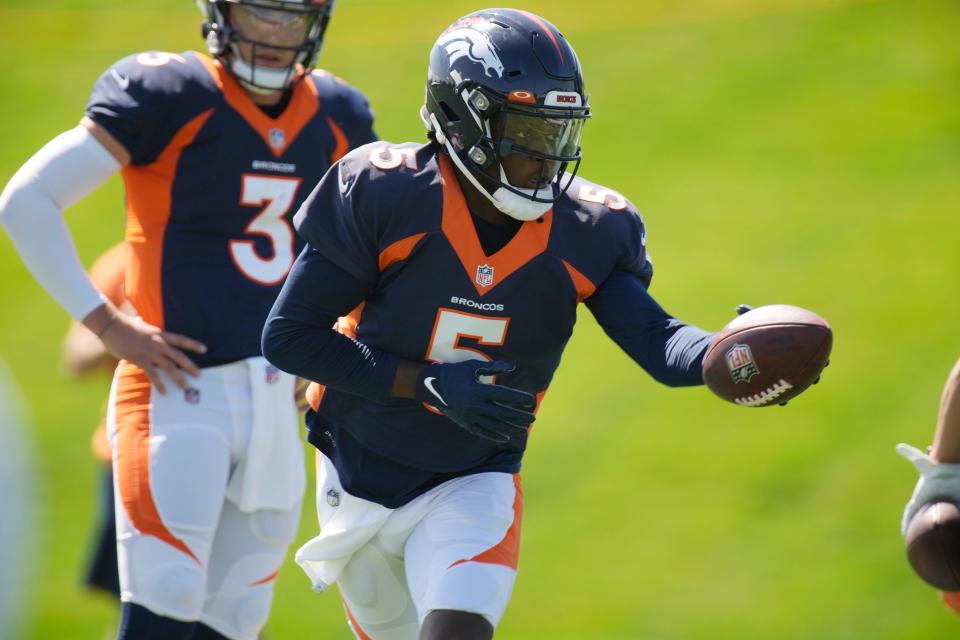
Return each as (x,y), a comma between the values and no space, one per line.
(782,151)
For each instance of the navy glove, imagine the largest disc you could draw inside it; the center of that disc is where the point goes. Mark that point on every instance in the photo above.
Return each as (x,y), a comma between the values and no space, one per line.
(489,411)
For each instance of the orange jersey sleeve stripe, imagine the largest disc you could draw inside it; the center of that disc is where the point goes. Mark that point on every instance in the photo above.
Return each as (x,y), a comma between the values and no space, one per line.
(507,551)
(133,456)
(149,201)
(581,283)
(399,250)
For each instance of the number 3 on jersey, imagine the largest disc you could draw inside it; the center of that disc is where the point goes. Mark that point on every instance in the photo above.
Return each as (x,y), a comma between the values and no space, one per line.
(278,195)
(451,326)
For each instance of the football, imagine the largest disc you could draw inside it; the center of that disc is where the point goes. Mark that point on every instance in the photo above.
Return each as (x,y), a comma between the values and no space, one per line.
(933,545)
(768,355)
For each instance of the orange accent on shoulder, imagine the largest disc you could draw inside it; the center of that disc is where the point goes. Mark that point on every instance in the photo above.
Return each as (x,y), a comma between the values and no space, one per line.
(149,199)
(529,242)
(354,625)
(581,283)
(343,145)
(132,400)
(398,251)
(507,551)
(109,273)
(268,579)
(304,104)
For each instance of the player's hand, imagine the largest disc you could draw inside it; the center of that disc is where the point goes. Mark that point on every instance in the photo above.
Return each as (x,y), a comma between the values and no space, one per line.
(938,481)
(152,349)
(490,411)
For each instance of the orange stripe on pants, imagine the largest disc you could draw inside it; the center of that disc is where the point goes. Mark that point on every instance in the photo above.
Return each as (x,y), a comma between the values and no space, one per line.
(132,408)
(507,551)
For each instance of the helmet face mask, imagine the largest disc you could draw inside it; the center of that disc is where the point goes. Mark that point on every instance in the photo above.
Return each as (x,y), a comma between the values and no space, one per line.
(505,96)
(288,32)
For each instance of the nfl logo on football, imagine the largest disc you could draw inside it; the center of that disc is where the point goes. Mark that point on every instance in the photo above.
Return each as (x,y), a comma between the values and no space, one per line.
(277,138)
(484,275)
(741,364)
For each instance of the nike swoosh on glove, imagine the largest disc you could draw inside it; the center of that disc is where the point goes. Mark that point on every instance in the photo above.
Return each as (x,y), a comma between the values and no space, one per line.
(938,481)
(490,411)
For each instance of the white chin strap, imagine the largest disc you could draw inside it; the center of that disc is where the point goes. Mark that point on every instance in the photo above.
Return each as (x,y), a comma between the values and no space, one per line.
(268,79)
(515,205)
(512,204)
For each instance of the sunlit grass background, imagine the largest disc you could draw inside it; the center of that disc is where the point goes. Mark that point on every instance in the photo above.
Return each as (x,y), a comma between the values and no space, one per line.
(782,151)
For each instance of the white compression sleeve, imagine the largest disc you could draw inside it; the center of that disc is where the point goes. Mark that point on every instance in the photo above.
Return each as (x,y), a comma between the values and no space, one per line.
(65,170)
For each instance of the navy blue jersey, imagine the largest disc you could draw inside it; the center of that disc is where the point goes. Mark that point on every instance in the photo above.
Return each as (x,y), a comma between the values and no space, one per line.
(395,219)
(212,186)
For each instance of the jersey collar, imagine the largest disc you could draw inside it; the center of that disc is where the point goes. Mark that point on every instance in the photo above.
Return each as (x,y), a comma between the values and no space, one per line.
(486,272)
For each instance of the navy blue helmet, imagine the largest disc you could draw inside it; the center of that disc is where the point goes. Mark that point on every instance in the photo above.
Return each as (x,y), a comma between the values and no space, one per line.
(501,82)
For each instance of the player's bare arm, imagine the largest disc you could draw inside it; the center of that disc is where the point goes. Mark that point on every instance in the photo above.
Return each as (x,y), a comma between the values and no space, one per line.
(946,442)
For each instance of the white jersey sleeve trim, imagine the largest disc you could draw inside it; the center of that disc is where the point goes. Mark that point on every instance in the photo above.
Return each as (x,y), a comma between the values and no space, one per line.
(68,168)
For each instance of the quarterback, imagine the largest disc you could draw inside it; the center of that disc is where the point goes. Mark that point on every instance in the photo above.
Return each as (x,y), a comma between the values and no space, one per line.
(456,267)
(216,153)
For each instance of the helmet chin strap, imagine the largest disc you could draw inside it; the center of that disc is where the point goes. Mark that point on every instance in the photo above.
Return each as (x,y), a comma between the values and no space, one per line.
(516,206)
(268,79)
(506,201)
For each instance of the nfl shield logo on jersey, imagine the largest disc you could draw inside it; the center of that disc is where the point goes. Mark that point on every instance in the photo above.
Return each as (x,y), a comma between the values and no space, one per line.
(277,138)
(741,364)
(484,275)
(191,395)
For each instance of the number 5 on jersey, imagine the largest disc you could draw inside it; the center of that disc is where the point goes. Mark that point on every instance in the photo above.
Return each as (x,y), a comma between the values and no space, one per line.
(452,326)
(278,194)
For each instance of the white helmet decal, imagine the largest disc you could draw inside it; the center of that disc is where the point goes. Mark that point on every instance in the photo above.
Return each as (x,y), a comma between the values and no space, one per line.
(475,45)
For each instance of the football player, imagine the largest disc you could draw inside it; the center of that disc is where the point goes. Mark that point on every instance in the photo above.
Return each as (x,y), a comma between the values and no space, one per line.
(940,468)
(459,264)
(216,154)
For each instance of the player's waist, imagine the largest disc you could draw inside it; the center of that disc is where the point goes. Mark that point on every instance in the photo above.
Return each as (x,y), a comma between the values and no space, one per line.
(408,434)
(367,474)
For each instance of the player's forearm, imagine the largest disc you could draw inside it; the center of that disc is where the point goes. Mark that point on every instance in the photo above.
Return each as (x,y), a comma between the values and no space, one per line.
(72,165)
(669,350)
(946,443)
(299,338)
(329,358)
